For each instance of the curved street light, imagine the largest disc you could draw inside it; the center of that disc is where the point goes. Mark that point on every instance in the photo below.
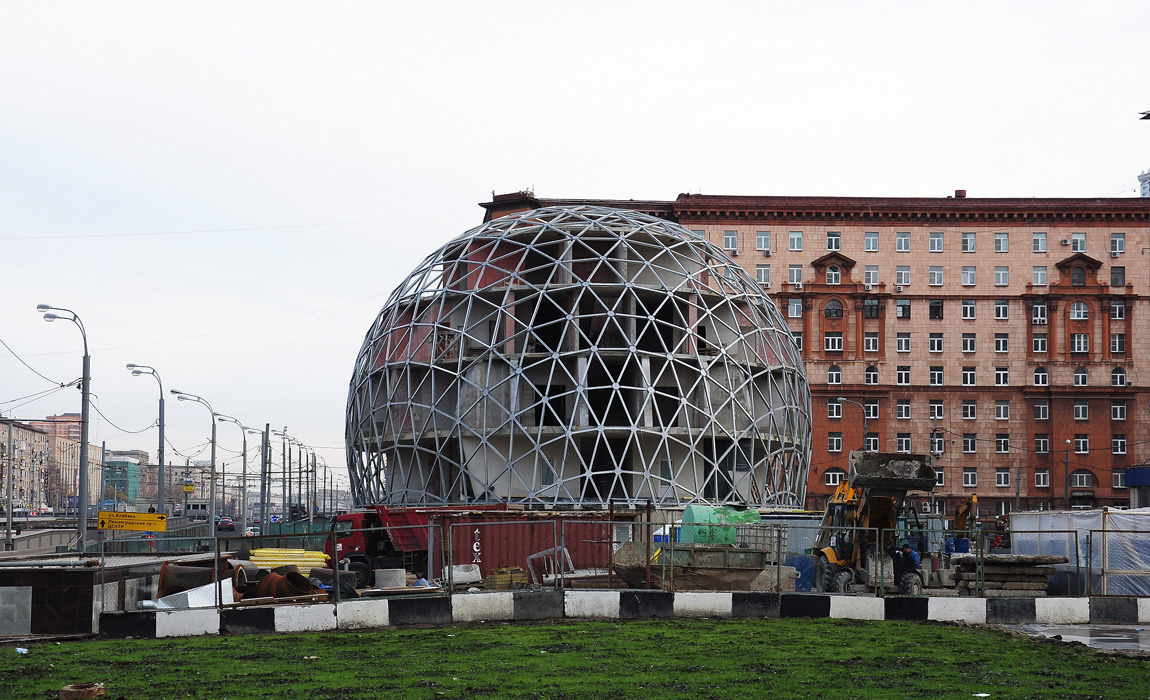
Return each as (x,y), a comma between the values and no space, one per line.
(137,370)
(244,474)
(841,399)
(85,391)
(184,396)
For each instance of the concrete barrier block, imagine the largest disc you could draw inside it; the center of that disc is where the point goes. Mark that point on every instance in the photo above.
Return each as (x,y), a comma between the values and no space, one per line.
(475,607)
(1062,611)
(16,610)
(857,607)
(1010,611)
(755,604)
(187,623)
(804,605)
(419,611)
(898,608)
(1144,609)
(591,604)
(972,610)
(538,605)
(1113,611)
(702,604)
(364,613)
(636,605)
(305,618)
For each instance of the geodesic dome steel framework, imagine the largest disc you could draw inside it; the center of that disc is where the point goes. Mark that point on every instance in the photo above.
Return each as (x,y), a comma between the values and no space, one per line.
(572,356)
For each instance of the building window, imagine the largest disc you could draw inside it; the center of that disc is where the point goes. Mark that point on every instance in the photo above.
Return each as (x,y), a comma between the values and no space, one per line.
(1118,345)
(1002,477)
(969,377)
(871,375)
(763,274)
(834,442)
(902,409)
(1081,443)
(1039,276)
(1080,342)
(902,342)
(902,242)
(795,308)
(1038,242)
(1001,309)
(731,241)
(936,308)
(902,375)
(902,308)
(834,375)
(796,240)
(1118,377)
(833,342)
(834,240)
(1002,410)
(969,443)
(902,442)
(936,409)
(1117,410)
(795,274)
(1042,443)
(833,477)
(1117,310)
(1039,342)
(1042,478)
(968,309)
(1041,410)
(1001,242)
(936,342)
(1081,479)
(969,273)
(870,342)
(1118,444)
(834,409)
(870,241)
(1002,376)
(833,275)
(1078,277)
(969,477)
(1081,410)
(939,478)
(969,409)
(1117,276)
(870,442)
(968,242)
(1002,443)
(763,240)
(936,241)
(1119,478)
(1002,342)
(1079,311)
(969,342)
(937,443)
(833,309)
(1001,275)
(870,410)
(870,308)
(934,275)
(902,274)
(936,376)
(1078,243)
(1081,378)
(870,274)
(1038,314)
(1041,377)
(798,336)
(1118,243)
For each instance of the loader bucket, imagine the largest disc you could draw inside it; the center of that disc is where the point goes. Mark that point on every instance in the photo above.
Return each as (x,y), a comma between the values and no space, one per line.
(891,473)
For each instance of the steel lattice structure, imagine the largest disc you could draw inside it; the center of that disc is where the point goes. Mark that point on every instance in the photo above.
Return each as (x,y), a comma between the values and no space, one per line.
(572,356)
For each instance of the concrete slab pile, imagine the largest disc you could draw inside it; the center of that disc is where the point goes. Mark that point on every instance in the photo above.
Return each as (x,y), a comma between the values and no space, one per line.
(1005,575)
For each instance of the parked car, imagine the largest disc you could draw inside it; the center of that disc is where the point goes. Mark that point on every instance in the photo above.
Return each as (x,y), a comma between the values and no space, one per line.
(252,531)
(226,524)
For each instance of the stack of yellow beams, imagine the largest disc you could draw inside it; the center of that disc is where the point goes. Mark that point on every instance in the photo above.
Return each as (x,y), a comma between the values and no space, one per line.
(273,558)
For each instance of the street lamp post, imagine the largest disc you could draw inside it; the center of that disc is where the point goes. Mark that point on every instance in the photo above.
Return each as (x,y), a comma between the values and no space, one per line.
(244,469)
(184,396)
(85,390)
(860,405)
(137,370)
(1066,475)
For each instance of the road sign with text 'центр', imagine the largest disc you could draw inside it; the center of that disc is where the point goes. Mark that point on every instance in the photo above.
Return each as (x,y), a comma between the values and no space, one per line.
(114,520)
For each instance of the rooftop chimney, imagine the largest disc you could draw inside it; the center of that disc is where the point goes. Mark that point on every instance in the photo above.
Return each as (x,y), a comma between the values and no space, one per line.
(960,194)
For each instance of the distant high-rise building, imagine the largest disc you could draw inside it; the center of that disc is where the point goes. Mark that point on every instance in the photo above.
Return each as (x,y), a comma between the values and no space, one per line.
(1144,184)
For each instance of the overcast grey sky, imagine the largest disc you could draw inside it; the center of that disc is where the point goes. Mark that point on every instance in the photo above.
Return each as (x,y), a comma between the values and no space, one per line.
(228,191)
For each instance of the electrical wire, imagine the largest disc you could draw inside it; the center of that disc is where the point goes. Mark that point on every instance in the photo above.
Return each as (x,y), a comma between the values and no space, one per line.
(30,367)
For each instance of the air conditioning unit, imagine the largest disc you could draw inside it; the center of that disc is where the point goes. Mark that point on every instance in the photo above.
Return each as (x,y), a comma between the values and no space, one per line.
(1042,321)
(1065,241)
(898,288)
(1035,321)
(767,252)
(797,285)
(867,287)
(766,285)
(1114,253)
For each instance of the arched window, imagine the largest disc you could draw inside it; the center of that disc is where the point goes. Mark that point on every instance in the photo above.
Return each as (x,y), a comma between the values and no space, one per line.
(834,375)
(833,309)
(1118,377)
(833,275)
(1079,311)
(871,376)
(1078,277)
(1080,376)
(1041,378)
(834,476)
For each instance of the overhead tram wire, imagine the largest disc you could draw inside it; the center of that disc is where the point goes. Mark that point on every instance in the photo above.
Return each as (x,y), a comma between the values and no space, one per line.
(30,367)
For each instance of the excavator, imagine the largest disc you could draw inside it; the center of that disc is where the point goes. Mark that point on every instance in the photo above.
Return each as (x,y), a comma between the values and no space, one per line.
(867,519)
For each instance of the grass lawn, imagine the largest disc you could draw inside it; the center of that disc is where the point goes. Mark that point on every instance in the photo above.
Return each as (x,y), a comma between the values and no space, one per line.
(577,659)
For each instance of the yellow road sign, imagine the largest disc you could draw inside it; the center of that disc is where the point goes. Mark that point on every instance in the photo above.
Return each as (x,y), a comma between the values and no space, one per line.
(114,520)
(189,488)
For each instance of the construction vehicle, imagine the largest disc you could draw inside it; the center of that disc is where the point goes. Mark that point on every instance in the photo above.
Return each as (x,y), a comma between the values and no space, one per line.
(867,519)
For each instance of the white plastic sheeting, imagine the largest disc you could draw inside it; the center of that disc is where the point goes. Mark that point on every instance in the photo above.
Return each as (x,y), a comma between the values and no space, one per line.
(1109,550)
